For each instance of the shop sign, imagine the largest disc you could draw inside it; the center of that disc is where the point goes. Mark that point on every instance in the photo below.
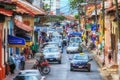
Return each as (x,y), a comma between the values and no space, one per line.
(15,40)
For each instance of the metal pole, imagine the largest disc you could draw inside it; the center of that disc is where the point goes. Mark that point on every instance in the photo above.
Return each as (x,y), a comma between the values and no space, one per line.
(85,12)
(96,13)
(49,12)
(79,18)
(103,16)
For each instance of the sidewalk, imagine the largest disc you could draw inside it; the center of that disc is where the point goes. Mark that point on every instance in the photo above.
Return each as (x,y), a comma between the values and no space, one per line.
(28,65)
(106,72)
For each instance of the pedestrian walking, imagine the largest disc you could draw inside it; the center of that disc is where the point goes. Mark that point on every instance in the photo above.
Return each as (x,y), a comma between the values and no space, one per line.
(33,50)
(22,62)
(26,52)
(11,63)
(17,62)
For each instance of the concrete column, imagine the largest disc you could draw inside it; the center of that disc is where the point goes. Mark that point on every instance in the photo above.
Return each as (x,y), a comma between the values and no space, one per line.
(2,68)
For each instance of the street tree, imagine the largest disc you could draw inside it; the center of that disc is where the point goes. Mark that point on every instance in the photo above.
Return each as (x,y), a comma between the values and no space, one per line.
(76,4)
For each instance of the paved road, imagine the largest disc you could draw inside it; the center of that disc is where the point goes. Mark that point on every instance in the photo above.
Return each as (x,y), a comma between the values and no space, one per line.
(62,71)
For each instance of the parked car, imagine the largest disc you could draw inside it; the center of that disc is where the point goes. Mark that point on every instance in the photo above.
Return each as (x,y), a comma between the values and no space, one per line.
(28,75)
(80,61)
(72,48)
(53,54)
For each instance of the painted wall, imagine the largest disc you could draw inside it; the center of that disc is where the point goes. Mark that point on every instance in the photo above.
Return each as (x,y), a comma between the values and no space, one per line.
(107,33)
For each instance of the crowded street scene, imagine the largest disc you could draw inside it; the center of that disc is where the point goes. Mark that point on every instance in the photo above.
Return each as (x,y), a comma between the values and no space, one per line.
(59,40)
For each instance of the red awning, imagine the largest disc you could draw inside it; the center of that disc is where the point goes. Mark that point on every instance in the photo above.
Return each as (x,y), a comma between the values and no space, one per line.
(6,12)
(23,26)
(25,7)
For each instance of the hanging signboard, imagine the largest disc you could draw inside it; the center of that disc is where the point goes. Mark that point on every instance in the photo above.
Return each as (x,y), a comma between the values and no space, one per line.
(15,40)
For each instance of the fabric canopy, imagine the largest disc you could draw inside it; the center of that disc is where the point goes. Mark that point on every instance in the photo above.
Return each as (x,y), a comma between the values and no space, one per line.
(6,12)
(23,26)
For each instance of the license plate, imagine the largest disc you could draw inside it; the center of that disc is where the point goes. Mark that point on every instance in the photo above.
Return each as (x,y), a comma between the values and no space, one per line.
(51,59)
(51,56)
(80,66)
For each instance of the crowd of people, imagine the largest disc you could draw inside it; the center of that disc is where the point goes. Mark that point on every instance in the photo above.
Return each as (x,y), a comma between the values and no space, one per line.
(17,61)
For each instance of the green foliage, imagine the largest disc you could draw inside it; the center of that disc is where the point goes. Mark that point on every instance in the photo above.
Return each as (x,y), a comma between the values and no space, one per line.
(76,16)
(74,3)
(46,7)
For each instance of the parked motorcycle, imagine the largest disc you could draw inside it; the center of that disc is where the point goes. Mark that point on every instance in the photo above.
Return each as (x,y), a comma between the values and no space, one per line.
(43,67)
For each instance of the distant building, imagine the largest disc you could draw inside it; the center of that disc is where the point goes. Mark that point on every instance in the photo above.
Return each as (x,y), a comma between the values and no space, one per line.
(55,6)
(38,3)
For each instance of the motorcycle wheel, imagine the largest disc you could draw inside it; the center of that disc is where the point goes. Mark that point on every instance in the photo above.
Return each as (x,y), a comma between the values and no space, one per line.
(45,70)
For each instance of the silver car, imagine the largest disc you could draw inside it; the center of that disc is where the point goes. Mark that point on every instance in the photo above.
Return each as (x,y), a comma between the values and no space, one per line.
(73,47)
(53,54)
(28,75)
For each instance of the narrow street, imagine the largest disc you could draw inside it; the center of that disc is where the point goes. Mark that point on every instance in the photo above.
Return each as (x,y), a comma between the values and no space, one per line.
(62,71)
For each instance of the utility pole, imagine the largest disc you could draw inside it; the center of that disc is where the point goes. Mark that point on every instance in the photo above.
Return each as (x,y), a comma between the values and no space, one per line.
(117,33)
(79,26)
(103,16)
(103,26)
(85,12)
(96,20)
(50,11)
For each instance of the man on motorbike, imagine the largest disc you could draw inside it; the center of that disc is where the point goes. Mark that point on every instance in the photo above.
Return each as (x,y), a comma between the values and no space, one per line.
(42,58)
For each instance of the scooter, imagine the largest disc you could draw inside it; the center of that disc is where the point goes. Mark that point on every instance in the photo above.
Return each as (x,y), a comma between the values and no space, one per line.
(43,67)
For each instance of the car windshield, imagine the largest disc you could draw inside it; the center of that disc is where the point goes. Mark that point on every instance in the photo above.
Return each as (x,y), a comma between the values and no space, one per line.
(49,50)
(81,57)
(26,78)
(74,45)
(75,40)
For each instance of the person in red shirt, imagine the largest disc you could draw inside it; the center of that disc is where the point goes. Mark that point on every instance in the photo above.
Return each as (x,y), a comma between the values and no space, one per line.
(26,51)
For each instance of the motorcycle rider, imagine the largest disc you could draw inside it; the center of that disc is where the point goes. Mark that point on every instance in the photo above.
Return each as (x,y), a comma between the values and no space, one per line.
(42,58)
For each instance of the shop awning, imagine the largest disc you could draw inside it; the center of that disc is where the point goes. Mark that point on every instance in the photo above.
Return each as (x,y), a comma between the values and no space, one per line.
(27,38)
(23,26)
(6,12)
(25,7)
(13,40)
(16,46)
